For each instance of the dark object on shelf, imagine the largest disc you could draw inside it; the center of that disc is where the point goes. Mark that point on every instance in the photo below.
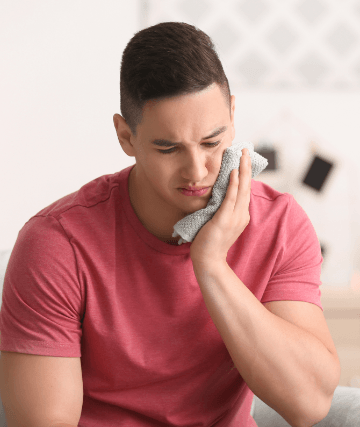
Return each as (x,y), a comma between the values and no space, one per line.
(317,173)
(270,156)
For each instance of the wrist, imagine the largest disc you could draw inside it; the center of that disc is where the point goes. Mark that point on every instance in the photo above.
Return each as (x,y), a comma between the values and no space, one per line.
(208,262)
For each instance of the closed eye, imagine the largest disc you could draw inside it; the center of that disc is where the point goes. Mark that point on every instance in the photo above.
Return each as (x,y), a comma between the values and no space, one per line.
(208,144)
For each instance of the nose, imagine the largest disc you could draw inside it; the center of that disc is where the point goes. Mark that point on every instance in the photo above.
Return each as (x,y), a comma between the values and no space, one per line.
(195,167)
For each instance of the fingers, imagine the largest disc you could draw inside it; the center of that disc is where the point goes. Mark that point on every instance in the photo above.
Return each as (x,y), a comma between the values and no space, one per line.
(245,156)
(240,181)
(245,168)
(235,176)
(243,173)
(232,190)
(243,199)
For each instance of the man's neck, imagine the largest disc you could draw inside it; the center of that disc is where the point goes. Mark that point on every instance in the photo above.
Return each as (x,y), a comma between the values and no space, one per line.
(164,237)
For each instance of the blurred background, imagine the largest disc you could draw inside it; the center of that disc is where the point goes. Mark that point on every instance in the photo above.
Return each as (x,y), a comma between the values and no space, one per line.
(293,66)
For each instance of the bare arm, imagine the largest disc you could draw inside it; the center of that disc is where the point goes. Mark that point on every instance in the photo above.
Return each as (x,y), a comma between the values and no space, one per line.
(287,367)
(41,391)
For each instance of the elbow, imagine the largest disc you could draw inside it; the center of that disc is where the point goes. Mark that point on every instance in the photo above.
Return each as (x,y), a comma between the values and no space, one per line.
(325,409)
(318,408)
(319,412)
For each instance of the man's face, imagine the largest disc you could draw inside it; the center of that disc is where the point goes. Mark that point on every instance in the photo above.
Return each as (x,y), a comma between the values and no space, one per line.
(187,120)
(161,171)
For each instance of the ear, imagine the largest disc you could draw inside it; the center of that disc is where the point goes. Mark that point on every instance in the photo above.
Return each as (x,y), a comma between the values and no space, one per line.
(232,116)
(124,135)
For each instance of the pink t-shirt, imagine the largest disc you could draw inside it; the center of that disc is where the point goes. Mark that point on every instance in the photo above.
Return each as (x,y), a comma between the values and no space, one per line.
(87,279)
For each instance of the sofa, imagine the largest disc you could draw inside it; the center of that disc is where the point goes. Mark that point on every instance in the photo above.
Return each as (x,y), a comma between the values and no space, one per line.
(344,411)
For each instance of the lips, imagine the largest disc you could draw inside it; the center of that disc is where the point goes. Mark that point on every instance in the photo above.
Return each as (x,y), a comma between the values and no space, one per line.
(194,188)
(198,193)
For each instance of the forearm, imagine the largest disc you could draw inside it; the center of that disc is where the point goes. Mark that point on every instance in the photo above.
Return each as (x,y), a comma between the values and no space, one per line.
(284,365)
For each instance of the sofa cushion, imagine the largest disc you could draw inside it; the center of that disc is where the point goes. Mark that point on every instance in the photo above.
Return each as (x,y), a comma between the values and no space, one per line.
(344,411)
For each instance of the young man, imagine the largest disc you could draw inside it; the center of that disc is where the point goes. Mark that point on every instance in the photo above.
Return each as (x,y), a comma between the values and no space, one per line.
(168,334)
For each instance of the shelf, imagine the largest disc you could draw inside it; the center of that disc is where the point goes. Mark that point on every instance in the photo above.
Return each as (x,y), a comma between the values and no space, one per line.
(342,314)
(333,298)
(350,366)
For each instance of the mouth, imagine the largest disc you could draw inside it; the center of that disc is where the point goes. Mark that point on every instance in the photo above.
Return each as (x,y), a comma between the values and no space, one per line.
(194,188)
(195,193)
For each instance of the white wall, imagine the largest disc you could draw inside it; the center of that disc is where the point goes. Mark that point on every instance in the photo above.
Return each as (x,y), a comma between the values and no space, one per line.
(59,88)
(294,67)
(331,121)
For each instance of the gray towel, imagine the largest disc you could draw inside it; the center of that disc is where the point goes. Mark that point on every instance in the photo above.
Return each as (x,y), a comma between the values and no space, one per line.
(188,227)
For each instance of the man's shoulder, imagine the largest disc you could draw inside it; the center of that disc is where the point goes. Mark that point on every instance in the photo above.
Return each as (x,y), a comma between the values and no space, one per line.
(262,190)
(90,194)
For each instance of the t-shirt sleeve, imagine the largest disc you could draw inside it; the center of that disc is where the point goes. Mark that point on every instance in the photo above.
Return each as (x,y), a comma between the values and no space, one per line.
(298,265)
(41,308)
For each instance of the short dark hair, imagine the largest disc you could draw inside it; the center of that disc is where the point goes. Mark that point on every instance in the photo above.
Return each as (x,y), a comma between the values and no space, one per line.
(165,60)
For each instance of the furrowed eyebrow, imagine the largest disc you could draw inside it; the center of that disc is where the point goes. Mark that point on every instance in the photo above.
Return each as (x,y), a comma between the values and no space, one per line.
(166,143)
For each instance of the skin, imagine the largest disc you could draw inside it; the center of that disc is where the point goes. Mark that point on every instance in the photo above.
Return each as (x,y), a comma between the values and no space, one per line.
(155,180)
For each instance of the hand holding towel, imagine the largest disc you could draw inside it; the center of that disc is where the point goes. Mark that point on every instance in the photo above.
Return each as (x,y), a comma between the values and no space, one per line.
(188,227)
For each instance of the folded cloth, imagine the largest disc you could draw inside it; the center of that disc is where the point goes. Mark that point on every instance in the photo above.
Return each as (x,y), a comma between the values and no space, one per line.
(188,227)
